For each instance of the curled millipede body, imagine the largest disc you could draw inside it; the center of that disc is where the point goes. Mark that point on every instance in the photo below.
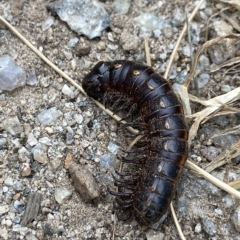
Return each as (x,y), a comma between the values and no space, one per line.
(128,85)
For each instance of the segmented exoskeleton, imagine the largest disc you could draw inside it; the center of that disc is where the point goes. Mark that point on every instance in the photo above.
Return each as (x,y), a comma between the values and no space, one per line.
(149,192)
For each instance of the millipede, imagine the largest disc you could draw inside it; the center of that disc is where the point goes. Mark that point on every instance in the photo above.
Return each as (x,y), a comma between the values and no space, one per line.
(153,108)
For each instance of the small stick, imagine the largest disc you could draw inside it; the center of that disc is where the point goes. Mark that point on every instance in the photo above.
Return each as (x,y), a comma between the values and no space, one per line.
(180,39)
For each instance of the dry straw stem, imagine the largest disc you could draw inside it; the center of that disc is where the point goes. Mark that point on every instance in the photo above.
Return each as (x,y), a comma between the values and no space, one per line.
(181,37)
(212,105)
(184,88)
(225,157)
(176,222)
(147,52)
(234,3)
(213,180)
(228,63)
(235,184)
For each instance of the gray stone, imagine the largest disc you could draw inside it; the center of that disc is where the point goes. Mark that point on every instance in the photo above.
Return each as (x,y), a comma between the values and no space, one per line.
(211,152)
(203,63)
(40,153)
(32,141)
(209,227)
(152,235)
(70,135)
(179,16)
(62,194)
(19,206)
(236,219)
(11,75)
(17,219)
(24,155)
(78,118)
(198,228)
(83,16)
(72,42)
(32,79)
(4,233)
(67,91)
(8,181)
(107,161)
(3,141)
(228,201)
(221,121)
(47,23)
(121,6)
(129,42)
(26,170)
(13,126)
(203,79)
(181,76)
(3,209)
(113,148)
(225,141)
(17,185)
(225,49)
(149,22)
(226,88)
(49,116)
(30,236)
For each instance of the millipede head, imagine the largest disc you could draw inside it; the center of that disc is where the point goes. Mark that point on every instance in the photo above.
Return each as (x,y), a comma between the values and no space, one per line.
(96,83)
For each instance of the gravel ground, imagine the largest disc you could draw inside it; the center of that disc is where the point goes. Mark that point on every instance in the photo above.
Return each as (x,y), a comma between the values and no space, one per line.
(36,145)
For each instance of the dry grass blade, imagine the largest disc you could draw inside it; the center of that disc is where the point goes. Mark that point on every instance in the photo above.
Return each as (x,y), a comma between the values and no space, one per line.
(181,37)
(184,97)
(213,105)
(232,70)
(235,184)
(230,62)
(211,17)
(213,180)
(225,157)
(234,130)
(233,21)
(234,3)
(147,52)
(176,222)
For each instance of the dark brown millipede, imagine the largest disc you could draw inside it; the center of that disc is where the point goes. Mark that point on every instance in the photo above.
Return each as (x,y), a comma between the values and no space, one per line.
(128,85)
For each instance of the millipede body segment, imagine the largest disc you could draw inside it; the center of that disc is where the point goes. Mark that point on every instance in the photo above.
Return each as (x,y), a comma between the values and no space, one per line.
(148,192)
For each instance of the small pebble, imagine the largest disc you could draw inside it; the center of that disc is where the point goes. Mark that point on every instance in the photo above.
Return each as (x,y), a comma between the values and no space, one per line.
(19,206)
(198,228)
(47,23)
(236,219)
(17,185)
(62,194)
(8,181)
(26,170)
(107,161)
(73,64)
(113,148)
(13,126)
(3,209)
(17,219)
(84,182)
(49,116)
(209,226)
